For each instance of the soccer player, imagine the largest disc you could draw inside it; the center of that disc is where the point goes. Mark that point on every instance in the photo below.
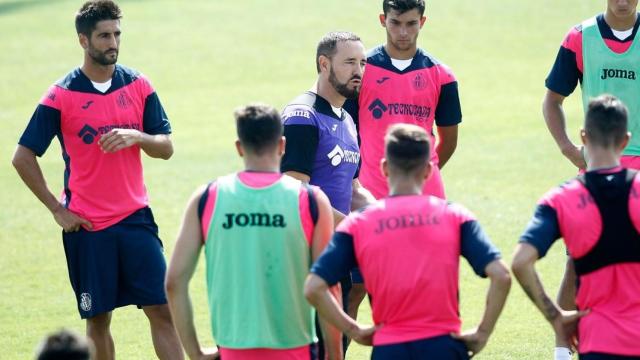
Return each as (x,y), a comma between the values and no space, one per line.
(602,55)
(260,231)
(598,216)
(322,141)
(408,247)
(405,84)
(103,115)
(65,345)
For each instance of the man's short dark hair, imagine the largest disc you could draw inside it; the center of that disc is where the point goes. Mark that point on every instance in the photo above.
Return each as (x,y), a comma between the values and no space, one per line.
(402,6)
(64,345)
(605,123)
(407,147)
(328,45)
(94,11)
(259,127)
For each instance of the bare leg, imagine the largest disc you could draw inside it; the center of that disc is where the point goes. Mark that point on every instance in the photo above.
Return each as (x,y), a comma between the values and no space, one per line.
(164,336)
(98,331)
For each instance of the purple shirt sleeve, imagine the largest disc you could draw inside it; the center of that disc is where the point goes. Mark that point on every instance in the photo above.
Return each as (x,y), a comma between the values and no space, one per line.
(543,229)
(337,260)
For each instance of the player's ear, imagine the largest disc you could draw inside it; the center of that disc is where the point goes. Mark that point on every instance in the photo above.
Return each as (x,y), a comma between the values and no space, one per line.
(423,19)
(427,170)
(83,40)
(282,144)
(325,63)
(625,141)
(383,19)
(239,148)
(384,167)
(583,136)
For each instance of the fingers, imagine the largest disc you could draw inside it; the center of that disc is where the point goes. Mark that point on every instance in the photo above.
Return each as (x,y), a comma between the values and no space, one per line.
(86,223)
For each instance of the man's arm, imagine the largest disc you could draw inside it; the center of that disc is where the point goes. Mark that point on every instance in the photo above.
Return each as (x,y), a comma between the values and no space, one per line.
(179,273)
(476,339)
(337,215)
(317,293)
(556,123)
(321,236)
(156,146)
(563,322)
(360,196)
(25,162)
(447,143)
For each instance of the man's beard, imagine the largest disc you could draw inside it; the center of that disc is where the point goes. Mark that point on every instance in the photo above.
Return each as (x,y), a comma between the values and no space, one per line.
(343,88)
(101,57)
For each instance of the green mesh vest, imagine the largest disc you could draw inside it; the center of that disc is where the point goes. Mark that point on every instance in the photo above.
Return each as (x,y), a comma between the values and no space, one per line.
(257,259)
(611,73)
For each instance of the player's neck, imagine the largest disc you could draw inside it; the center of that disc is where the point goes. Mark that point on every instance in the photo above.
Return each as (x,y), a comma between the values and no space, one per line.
(265,163)
(404,186)
(601,158)
(398,54)
(620,23)
(96,72)
(327,92)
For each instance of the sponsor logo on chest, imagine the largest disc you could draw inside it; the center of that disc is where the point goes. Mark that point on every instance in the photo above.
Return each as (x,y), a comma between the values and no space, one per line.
(253,220)
(379,108)
(338,156)
(617,74)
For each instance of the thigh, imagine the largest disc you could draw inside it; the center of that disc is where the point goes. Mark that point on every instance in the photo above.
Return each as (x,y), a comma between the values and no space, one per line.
(92,258)
(142,265)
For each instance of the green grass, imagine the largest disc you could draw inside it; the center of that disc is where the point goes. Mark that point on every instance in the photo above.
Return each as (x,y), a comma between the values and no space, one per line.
(207,57)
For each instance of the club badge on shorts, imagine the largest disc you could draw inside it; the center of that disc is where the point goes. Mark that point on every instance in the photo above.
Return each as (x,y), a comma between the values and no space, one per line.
(85,301)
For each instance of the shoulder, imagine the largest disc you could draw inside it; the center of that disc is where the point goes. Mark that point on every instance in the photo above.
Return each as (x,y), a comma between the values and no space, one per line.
(74,80)
(377,56)
(573,39)
(301,110)
(458,211)
(128,74)
(558,194)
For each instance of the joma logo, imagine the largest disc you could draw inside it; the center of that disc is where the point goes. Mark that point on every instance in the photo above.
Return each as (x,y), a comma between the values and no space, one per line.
(618,73)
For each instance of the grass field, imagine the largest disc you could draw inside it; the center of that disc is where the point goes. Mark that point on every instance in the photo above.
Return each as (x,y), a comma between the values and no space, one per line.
(207,57)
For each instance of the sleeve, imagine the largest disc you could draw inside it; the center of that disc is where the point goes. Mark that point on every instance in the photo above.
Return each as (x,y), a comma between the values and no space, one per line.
(476,247)
(44,124)
(155,120)
(448,111)
(302,142)
(352,108)
(543,229)
(565,73)
(337,260)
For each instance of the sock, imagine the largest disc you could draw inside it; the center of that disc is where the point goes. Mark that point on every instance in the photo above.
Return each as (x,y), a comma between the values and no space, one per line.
(562,353)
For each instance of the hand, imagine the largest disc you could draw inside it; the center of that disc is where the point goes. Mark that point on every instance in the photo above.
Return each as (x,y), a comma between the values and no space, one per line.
(207,354)
(69,221)
(576,155)
(565,326)
(118,139)
(362,335)
(474,339)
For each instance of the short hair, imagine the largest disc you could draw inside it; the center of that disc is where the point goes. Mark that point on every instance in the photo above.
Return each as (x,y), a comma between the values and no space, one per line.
(94,11)
(66,345)
(605,123)
(402,6)
(259,127)
(328,45)
(407,147)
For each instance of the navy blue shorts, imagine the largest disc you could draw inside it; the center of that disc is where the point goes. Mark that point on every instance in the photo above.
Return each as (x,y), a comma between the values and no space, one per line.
(602,356)
(440,347)
(117,266)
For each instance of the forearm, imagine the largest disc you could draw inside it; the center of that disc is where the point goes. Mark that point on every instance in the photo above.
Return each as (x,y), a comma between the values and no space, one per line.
(555,119)
(495,301)
(26,165)
(360,197)
(156,146)
(445,151)
(182,313)
(530,282)
(327,306)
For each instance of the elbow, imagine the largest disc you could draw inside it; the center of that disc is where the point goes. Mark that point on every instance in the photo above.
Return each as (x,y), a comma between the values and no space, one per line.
(170,285)
(312,291)
(168,153)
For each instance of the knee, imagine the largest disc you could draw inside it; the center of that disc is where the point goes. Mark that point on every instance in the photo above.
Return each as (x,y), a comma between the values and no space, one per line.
(158,314)
(99,324)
